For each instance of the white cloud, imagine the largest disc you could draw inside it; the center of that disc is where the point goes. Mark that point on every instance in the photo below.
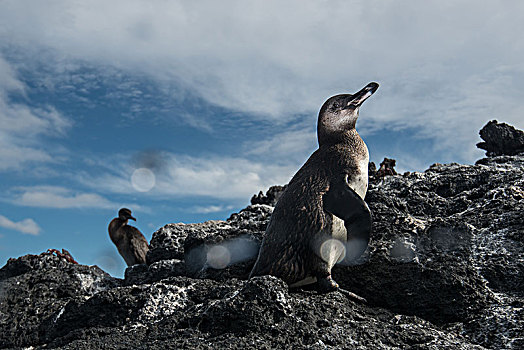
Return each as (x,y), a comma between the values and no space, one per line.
(287,147)
(23,126)
(444,68)
(60,197)
(450,115)
(9,82)
(209,209)
(28,226)
(220,177)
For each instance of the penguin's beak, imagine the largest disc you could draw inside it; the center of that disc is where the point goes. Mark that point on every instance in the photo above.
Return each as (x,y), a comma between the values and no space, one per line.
(359,98)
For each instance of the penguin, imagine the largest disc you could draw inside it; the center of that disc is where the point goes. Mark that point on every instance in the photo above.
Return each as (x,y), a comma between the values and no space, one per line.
(322,218)
(130,242)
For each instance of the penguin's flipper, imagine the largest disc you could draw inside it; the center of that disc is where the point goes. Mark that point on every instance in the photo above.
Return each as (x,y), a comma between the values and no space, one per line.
(343,202)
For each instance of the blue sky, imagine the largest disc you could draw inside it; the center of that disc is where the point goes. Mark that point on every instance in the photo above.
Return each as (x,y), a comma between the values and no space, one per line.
(182,111)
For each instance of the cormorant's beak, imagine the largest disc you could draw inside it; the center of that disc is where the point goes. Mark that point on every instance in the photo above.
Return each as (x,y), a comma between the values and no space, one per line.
(132,218)
(358,98)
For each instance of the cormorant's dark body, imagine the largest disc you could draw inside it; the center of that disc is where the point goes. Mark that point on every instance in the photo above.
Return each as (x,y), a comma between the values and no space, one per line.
(130,242)
(330,186)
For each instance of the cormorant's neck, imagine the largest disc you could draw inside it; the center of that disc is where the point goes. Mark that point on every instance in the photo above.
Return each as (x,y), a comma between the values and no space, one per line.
(114,225)
(121,222)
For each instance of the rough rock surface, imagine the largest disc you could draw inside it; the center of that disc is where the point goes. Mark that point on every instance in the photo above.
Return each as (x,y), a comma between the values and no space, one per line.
(444,270)
(501,139)
(35,289)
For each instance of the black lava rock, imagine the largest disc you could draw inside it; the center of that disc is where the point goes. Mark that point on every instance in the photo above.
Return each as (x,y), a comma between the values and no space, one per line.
(501,139)
(270,198)
(443,270)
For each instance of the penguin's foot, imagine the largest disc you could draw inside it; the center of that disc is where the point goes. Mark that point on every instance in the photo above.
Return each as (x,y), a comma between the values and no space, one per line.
(352,296)
(326,284)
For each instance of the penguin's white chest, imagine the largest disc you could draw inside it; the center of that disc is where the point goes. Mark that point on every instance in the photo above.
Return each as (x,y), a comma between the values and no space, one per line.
(358,181)
(334,248)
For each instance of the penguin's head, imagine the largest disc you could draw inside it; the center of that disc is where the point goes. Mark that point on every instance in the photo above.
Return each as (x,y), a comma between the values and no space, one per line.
(125,214)
(339,114)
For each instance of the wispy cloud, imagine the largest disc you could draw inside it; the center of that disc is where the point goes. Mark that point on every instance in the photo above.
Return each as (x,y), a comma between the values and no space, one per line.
(448,114)
(209,209)
(212,176)
(23,127)
(28,226)
(59,197)
(444,68)
(220,177)
(291,147)
(9,81)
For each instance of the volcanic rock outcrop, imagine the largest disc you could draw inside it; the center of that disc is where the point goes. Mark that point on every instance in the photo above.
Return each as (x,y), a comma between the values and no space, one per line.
(501,139)
(444,270)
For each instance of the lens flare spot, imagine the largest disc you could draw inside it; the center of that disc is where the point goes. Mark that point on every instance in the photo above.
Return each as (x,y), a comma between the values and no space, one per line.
(403,251)
(218,257)
(354,249)
(143,179)
(332,251)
